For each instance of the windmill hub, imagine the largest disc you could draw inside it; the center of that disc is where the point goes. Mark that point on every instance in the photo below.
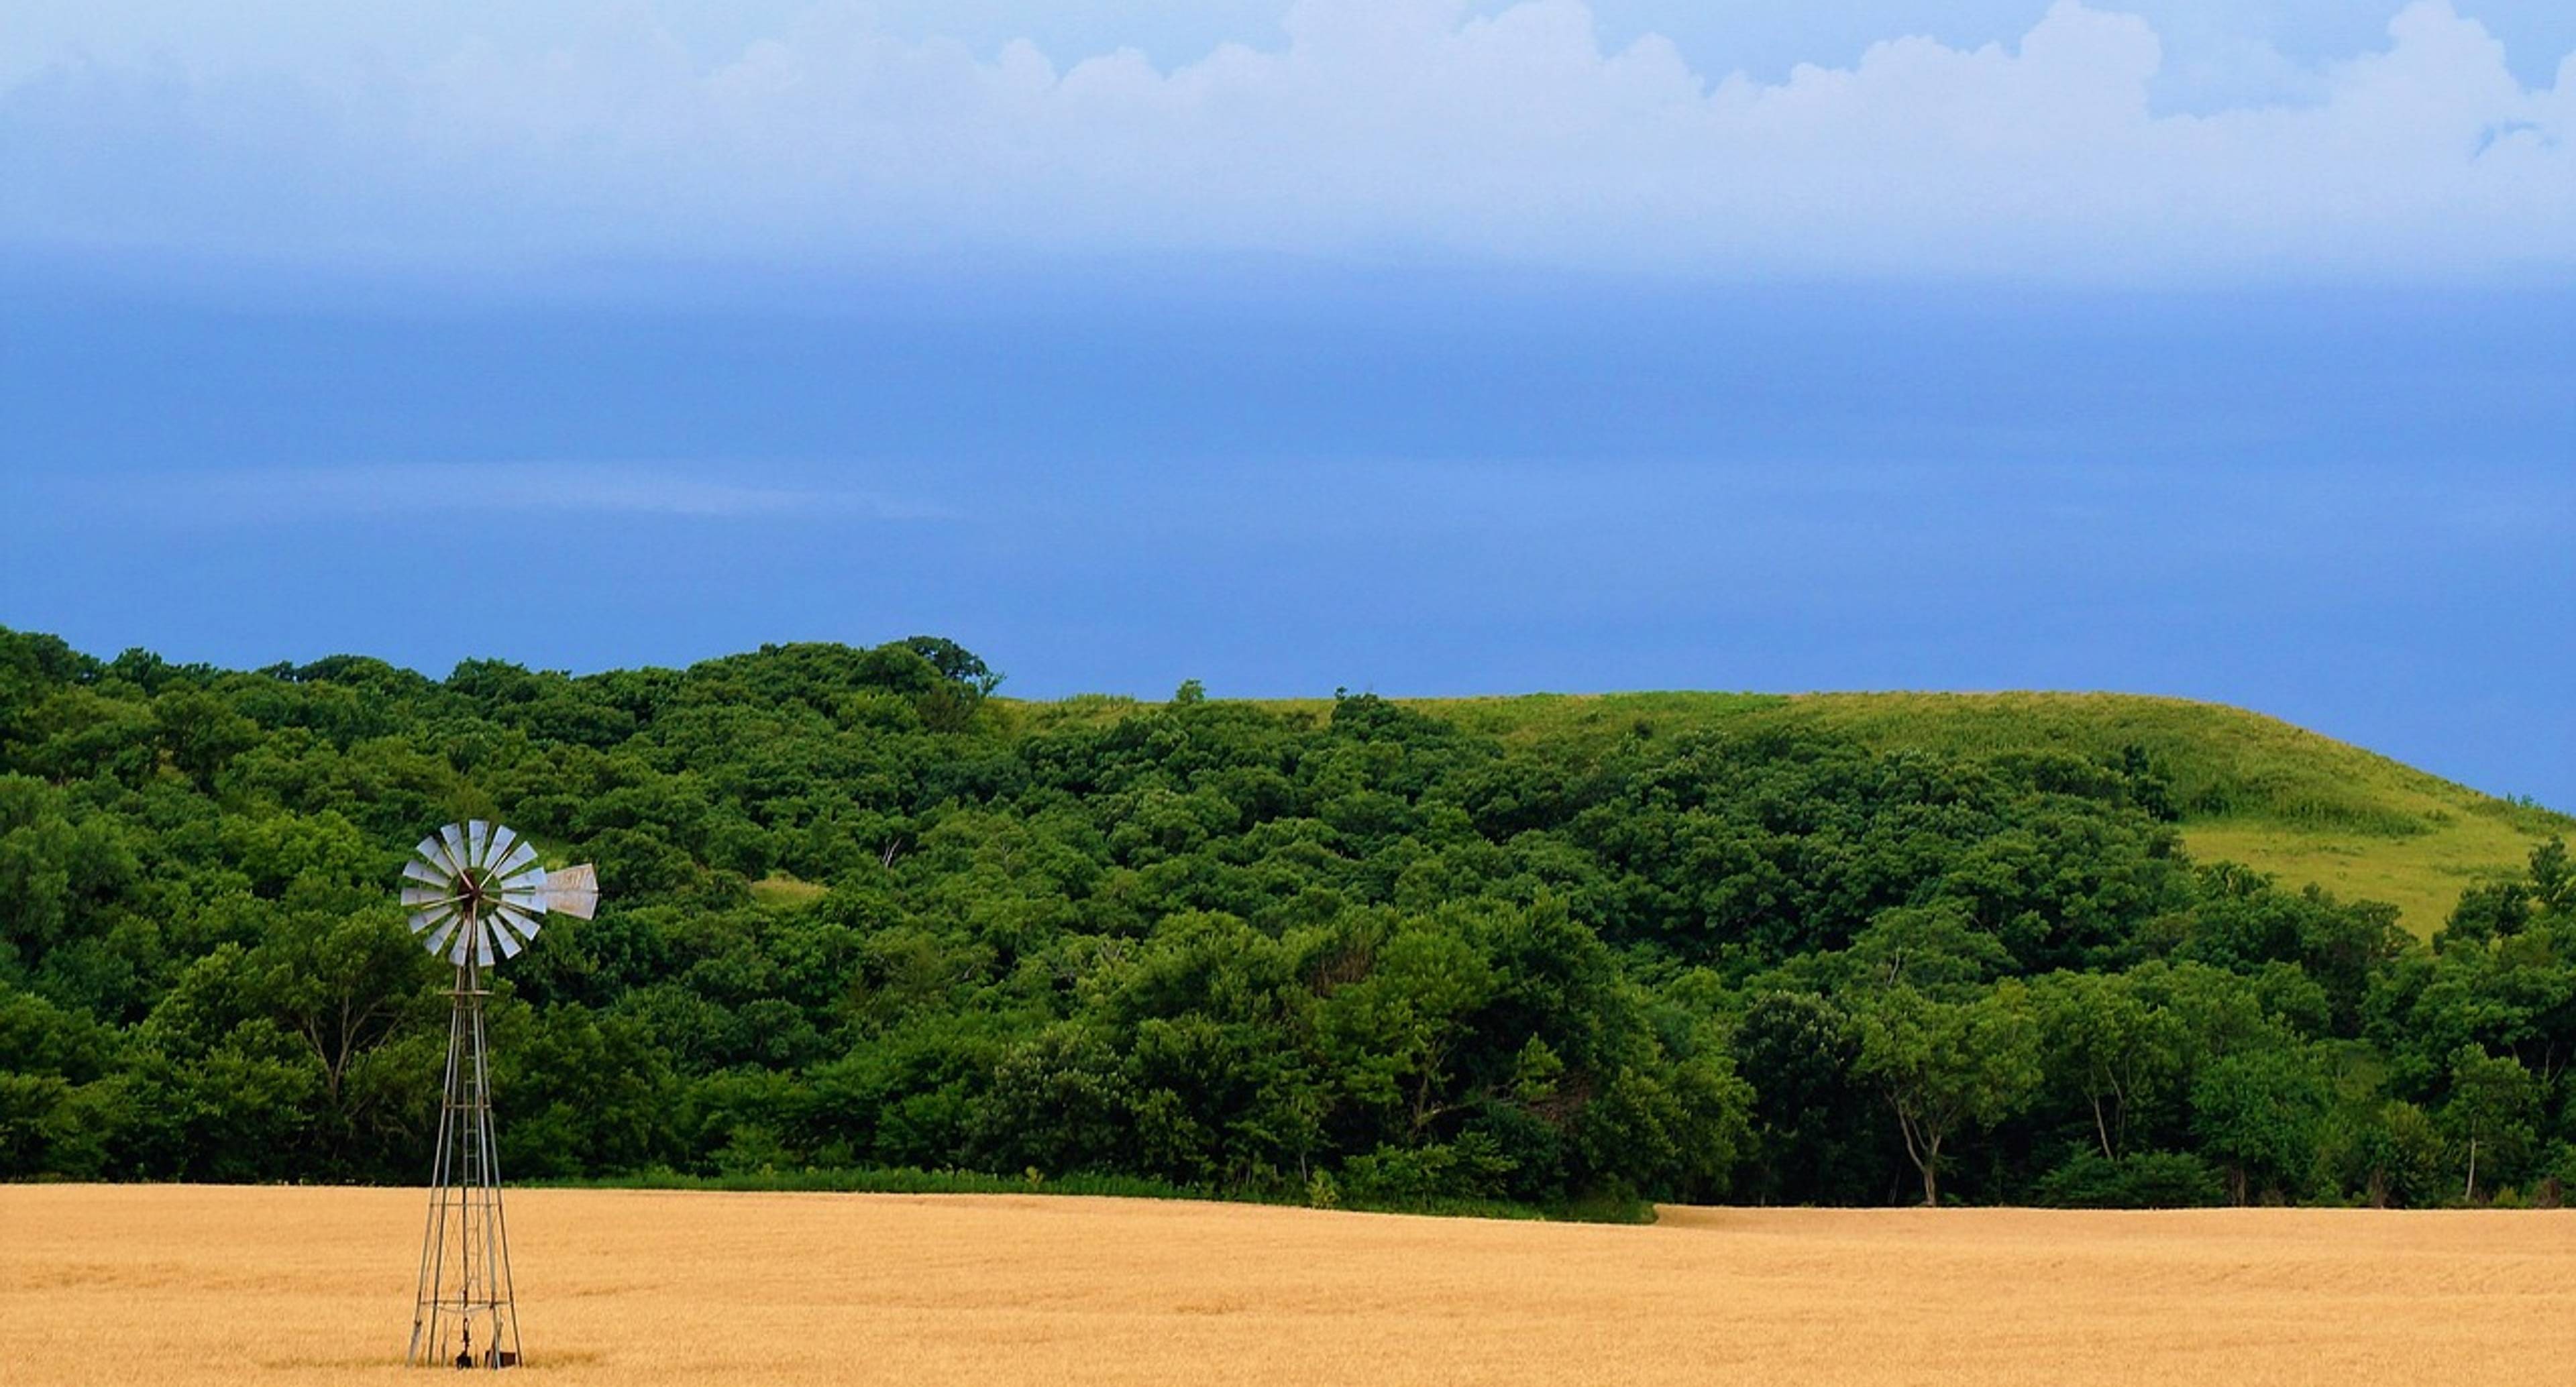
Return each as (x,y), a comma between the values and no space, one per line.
(475,889)
(476,893)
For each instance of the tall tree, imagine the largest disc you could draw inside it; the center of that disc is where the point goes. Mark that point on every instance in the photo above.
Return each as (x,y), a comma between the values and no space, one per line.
(2491,1110)
(2106,1043)
(1948,1068)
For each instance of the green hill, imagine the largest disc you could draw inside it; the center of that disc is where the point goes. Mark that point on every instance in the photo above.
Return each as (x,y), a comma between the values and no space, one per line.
(866,926)
(2250,788)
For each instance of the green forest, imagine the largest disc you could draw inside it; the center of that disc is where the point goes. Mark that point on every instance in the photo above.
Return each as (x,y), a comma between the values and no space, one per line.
(861,914)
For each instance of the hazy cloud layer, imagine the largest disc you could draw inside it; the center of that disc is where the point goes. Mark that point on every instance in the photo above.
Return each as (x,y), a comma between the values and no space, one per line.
(505,504)
(1380,128)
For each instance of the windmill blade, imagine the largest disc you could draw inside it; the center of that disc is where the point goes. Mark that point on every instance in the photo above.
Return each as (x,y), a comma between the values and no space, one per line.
(451,840)
(525,902)
(495,919)
(521,859)
(425,919)
(525,923)
(437,943)
(498,846)
(425,868)
(573,891)
(474,942)
(478,842)
(514,931)
(426,895)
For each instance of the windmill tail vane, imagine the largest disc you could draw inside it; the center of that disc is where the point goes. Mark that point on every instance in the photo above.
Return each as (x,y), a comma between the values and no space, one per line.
(477,896)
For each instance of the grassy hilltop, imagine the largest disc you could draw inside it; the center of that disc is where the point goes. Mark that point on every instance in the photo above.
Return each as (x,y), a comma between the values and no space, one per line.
(2250,788)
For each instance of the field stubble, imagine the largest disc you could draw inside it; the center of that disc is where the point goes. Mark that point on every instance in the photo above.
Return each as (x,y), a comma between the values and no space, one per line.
(163,1284)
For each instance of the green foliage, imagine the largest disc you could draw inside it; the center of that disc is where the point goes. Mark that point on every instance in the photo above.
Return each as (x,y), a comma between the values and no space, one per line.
(1948,1068)
(2107,1043)
(2493,1110)
(869,926)
(2256,1112)
(2139,1180)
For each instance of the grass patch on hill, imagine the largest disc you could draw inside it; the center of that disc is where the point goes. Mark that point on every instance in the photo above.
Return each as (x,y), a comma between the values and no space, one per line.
(781,889)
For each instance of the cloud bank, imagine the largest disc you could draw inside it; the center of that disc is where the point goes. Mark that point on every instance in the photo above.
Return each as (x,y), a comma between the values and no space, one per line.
(1382,129)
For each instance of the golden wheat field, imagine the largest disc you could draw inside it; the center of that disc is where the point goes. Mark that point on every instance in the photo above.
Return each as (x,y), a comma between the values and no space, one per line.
(161,1284)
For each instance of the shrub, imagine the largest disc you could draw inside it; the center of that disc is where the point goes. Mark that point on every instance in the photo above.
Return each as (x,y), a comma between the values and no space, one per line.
(2139,1180)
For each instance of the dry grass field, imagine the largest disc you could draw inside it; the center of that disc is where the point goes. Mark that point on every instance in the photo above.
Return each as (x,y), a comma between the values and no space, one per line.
(157,1284)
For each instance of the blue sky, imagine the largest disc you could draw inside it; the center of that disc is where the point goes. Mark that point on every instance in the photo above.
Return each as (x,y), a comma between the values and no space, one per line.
(2217,350)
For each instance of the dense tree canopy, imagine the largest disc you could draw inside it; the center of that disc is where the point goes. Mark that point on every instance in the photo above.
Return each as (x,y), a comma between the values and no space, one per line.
(860,914)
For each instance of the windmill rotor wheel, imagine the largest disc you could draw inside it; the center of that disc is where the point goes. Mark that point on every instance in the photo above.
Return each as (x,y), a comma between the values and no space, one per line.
(477,894)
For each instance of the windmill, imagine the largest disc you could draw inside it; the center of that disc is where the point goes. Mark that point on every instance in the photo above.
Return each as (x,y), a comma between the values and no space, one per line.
(476,894)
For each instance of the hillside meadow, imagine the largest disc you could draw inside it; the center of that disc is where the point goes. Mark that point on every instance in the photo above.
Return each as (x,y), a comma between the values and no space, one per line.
(161,1286)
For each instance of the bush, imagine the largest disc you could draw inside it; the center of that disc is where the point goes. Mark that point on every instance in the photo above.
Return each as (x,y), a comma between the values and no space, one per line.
(2139,1180)
(1421,1176)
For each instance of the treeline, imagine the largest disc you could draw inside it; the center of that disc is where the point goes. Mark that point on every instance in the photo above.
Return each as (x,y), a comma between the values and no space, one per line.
(861,915)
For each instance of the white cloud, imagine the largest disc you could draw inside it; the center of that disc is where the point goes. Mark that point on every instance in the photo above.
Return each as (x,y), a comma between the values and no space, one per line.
(514,497)
(1381,128)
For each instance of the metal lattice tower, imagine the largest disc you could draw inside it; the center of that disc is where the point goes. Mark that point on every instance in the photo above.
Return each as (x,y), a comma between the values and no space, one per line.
(476,893)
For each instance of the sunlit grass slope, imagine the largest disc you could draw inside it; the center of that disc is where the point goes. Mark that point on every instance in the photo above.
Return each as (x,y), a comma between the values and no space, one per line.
(2252,789)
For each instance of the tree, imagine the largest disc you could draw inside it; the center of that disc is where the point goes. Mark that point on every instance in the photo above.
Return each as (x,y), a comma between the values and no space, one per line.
(2496,910)
(1393,1038)
(1948,1067)
(2256,1111)
(2107,1044)
(200,732)
(1937,950)
(2553,877)
(2391,1155)
(341,984)
(1814,1118)
(955,663)
(2493,1104)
